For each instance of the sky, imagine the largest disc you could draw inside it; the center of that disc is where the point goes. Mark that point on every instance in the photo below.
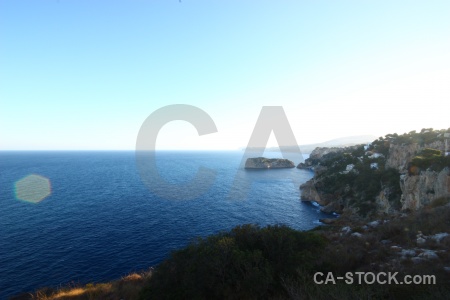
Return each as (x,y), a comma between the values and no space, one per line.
(85,75)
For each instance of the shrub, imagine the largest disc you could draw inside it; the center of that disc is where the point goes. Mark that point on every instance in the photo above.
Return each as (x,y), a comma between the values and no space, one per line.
(246,263)
(429,159)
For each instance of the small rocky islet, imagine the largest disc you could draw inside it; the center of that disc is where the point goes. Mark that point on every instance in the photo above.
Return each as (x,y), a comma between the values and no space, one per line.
(268,163)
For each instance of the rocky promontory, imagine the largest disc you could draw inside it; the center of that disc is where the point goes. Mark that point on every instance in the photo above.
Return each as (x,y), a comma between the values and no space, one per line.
(393,174)
(268,163)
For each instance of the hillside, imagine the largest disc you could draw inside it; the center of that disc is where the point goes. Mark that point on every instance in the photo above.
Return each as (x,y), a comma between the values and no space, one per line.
(393,173)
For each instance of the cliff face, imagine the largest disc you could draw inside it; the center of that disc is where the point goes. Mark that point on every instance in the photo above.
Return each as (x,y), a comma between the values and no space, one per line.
(391,174)
(308,192)
(420,190)
(401,155)
(382,201)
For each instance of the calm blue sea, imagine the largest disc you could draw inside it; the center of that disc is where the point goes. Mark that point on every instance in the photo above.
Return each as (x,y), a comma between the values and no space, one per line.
(101,222)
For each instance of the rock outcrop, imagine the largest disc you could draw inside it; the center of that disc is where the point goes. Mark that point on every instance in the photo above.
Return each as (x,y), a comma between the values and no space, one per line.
(268,163)
(392,174)
(319,152)
(382,201)
(401,155)
(422,189)
(308,192)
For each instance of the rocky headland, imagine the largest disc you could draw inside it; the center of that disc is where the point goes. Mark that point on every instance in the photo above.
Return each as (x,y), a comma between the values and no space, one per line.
(393,174)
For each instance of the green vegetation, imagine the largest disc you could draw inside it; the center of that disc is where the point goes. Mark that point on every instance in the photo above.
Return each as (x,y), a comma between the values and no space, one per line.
(424,137)
(356,177)
(248,262)
(428,159)
(277,262)
(359,186)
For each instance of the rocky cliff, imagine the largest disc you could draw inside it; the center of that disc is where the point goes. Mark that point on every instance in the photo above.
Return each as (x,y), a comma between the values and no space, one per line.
(400,155)
(268,163)
(395,173)
(420,190)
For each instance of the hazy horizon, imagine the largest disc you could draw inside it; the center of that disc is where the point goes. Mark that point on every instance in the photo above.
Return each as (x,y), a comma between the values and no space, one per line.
(242,148)
(85,75)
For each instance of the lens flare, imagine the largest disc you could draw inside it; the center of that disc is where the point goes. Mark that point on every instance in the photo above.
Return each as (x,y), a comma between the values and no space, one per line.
(32,188)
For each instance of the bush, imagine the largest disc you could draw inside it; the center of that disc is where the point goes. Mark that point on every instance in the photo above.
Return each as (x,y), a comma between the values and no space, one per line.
(246,263)
(429,159)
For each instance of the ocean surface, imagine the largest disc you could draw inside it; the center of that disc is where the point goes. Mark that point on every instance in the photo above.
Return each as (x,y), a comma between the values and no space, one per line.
(101,221)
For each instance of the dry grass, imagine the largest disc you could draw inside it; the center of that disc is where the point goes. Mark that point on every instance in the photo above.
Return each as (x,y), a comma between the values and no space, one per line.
(128,287)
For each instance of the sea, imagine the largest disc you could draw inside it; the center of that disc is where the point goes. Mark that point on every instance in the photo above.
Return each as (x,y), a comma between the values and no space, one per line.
(78,217)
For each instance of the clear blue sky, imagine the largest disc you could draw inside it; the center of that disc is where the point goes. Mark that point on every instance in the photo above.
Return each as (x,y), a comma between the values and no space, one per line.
(85,74)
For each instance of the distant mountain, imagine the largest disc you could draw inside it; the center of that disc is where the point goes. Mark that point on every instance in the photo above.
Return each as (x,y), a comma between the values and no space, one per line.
(339,142)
